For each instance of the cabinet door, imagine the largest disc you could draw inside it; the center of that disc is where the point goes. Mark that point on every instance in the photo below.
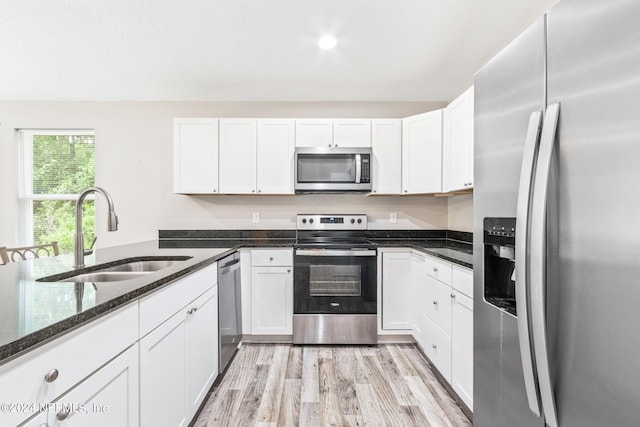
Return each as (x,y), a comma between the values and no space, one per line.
(418,295)
(237,156)
(314,133)
(164,397)
(462,348)
(422,153)
(438,303)
(396,290)
(386,141)
(108,398)
(202,349)
(458,143)
(272,300)
(195,156)
(352,133)
(276,144)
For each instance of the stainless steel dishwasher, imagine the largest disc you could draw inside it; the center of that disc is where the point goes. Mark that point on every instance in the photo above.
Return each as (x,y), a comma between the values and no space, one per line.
(229,309)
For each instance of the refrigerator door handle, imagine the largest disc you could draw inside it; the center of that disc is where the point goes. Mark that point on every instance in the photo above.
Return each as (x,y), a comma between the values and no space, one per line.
(538,262)
(529,157)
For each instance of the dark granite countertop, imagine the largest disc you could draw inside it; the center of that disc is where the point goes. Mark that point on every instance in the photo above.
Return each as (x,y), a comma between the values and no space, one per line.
(34,312)
(460,253)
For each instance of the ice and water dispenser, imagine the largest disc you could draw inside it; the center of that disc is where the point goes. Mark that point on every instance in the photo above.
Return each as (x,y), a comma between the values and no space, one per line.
(499,263)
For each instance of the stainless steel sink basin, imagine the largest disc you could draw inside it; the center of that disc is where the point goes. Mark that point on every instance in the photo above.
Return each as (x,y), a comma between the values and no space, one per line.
(106,276)
(125,270)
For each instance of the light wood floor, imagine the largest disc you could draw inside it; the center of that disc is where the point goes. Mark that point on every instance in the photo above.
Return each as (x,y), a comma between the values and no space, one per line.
(286,385)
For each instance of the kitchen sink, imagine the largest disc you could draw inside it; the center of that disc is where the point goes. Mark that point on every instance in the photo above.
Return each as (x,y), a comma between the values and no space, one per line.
(106,276)
(125,269)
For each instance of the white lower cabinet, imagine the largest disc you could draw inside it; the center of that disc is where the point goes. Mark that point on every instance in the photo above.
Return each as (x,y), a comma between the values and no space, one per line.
(202,348)
(178,363)
(442,313)
(47,374)
(396,290)
(163,380)
(462,347)
(107,398)
(271,292)
(179,348)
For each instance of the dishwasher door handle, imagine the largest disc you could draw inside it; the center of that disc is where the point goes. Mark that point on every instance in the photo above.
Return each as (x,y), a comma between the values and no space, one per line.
(228,268)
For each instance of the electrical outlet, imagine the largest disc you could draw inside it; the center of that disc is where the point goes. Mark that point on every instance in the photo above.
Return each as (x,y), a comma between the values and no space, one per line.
(393,217)
(256,217)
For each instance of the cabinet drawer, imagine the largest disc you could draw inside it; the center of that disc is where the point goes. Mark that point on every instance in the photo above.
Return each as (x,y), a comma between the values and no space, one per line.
(161,305)
(437,269)
(437,347)
(438,303)
(271,258)
(462,280)
(74,356)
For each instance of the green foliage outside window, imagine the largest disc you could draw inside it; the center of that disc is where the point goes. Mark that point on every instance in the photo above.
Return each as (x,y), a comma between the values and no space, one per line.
(62,164)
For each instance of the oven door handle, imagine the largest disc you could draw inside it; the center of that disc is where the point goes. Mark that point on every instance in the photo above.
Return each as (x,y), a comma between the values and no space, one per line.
(334,252)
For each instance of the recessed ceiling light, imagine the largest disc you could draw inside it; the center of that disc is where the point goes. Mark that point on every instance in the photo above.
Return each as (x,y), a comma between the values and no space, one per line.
(327,42)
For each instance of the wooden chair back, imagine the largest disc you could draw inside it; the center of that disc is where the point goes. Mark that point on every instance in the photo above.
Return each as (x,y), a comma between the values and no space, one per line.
(8,255)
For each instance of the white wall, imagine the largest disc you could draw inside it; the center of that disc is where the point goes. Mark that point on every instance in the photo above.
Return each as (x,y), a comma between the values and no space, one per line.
(134,163)
(460,213)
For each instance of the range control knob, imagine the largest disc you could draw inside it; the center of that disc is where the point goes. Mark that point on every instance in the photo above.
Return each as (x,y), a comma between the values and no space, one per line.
(359,220)
(353,220)
(304,220)
(311,221)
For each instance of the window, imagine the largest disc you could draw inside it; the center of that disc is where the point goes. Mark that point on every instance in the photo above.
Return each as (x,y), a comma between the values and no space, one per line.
(56,166)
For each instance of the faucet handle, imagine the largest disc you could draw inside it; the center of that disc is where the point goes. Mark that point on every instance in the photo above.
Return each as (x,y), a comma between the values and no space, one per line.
(90,250)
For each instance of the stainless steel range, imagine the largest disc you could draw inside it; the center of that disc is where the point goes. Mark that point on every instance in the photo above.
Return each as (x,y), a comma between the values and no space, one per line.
(335,281)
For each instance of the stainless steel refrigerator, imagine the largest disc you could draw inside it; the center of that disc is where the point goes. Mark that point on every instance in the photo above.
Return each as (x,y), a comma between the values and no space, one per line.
(557,222)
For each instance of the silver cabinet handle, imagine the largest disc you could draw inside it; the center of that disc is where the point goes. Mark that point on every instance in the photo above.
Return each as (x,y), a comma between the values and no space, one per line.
(253,191)
(434,346)
(270,258)
(335,304)
(453,295)
(288,270)
(215,191)
(435,302)
(259,191)
(435,269)
(190,311)
(529,157)
(63,415)
(537,262)
(51,376)
(406,191)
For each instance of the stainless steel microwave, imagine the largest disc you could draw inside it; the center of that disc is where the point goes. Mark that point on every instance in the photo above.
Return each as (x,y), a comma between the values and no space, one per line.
(332,170)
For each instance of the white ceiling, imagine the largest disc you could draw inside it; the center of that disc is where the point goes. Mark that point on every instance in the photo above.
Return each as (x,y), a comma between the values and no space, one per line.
(251,50)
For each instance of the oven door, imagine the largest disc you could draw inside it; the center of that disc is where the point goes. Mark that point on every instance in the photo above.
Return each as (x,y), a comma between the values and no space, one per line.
(331,281)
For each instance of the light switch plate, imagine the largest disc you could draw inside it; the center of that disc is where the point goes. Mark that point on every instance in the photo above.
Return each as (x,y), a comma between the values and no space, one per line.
(256,217)
(393,217)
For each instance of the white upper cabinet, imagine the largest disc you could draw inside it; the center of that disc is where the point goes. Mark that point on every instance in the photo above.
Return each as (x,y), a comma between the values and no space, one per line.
(276,144)
(386,142)
(333,133)
(195,156)
(458,143)
(314,133)
(352,133)
(422,153)
(238,144)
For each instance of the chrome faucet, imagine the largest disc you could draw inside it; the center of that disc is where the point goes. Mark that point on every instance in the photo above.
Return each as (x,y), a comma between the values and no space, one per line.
(112,224)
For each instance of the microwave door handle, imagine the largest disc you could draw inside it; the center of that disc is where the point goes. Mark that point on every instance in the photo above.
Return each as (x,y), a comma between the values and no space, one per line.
(358,168)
